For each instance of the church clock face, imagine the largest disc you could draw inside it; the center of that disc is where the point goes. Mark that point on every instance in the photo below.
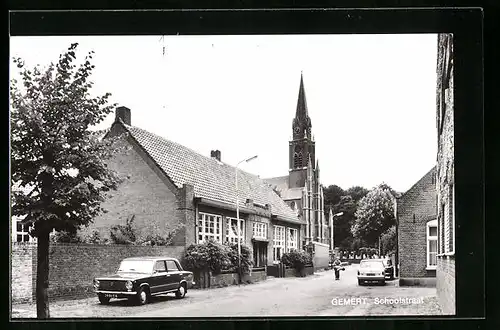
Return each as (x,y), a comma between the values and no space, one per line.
(298,148)
(296,129)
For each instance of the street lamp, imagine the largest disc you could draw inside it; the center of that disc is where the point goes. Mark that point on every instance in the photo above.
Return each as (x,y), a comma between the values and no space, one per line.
(333,228)
(238,214)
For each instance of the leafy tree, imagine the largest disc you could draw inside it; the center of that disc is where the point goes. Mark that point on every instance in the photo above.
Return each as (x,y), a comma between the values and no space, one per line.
(357,193)
(388,241)
(375,214)
(332,195)
(342,224)
(55,157)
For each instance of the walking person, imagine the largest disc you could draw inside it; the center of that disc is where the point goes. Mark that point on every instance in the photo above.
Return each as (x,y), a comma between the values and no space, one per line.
(336,267)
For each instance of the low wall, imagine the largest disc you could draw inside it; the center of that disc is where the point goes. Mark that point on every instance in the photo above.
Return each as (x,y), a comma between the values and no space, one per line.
(208,280)
(418,281)
(72,267)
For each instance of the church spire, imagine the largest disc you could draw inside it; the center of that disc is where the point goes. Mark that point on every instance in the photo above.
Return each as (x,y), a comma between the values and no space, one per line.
(301,112)
(302,122)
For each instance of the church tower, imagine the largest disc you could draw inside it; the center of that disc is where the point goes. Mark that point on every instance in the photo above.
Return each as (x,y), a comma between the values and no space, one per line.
(302,146)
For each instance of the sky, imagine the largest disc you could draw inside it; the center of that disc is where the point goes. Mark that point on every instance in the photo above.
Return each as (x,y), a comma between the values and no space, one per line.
(371,98)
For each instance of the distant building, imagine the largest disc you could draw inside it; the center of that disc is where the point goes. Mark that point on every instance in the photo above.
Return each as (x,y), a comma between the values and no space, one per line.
(417,232)
(445,185)
(301,188)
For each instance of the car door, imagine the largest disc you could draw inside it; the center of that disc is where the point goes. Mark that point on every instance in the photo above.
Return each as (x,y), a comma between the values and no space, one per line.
(159,279)
(174,275)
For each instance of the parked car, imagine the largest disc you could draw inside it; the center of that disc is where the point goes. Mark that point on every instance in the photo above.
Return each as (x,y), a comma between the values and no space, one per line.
(142,277)
(371,270)
(389,269)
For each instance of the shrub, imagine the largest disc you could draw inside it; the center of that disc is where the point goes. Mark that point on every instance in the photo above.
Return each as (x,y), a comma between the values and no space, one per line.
(65,237)
(246,258)
(95,238)
(123,234)
(297,259)
(209,255)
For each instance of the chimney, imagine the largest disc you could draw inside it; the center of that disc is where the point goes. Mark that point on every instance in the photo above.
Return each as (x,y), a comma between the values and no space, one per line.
(123,113)
(215,154)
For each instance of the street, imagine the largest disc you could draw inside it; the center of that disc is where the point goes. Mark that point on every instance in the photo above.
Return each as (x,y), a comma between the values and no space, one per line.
(316,295)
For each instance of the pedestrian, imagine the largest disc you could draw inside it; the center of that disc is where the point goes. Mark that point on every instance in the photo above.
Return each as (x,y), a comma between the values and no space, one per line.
(336,267)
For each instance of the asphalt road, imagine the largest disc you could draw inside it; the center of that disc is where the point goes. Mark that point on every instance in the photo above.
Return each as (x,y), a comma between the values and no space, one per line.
(316,295)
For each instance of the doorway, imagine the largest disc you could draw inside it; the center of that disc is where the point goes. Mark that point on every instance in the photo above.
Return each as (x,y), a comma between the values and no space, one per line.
(259,253)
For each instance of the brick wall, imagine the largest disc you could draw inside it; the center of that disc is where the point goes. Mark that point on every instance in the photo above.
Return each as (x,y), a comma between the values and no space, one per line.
(146,194)
(73,266)
(415,209)
(445,273)
(21,271)
(445,285)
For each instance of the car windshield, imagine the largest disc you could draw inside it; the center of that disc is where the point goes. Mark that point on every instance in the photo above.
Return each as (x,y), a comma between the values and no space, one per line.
(136,266)
(371,264)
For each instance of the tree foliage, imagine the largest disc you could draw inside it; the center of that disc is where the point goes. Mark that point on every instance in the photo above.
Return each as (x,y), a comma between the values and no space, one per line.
(388,241)
(58,165)
(375,214)
(54,155)
(357,193)
(332,195)
(342,233)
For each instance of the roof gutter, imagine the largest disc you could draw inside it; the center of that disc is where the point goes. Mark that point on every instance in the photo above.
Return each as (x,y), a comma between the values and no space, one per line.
(286,219)
(222,205)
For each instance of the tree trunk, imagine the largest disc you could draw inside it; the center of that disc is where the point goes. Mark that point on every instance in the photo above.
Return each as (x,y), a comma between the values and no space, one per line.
(42,276)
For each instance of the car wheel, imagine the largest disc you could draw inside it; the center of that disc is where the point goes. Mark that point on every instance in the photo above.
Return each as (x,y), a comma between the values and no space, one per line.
(181,292)
(142,296)
(103,300)
(382,282)
(360,282)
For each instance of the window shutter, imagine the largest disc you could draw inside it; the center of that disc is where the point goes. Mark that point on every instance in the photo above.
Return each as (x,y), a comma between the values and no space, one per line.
(451,229)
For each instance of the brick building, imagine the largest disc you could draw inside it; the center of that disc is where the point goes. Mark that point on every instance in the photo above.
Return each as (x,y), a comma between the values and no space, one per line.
(170,188)
(417,232)
(445,272)
(301,188)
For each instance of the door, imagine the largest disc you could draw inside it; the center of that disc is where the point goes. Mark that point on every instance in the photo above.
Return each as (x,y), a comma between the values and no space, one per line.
(260,253)
(159,279)
(174,275)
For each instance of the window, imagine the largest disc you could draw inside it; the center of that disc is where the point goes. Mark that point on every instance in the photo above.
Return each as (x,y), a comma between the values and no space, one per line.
(432,244)
(171,266)
(293,239)
(160,266)
(278,242)
(21,233)
(209,227)
(232,230)
(259,230)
